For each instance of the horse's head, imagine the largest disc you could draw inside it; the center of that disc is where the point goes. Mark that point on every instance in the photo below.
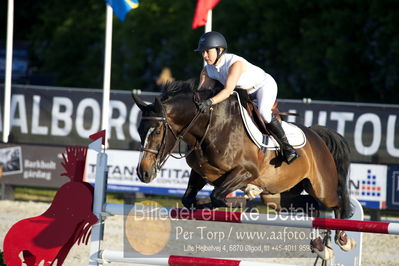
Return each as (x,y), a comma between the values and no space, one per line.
(164,124)
(152,130)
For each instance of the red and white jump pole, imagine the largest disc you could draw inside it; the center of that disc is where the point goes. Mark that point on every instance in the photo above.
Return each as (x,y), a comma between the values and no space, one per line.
(287,220)
(298,221)
(118,256)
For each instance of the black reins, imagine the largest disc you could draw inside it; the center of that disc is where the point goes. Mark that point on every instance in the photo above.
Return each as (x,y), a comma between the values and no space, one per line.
(178,137)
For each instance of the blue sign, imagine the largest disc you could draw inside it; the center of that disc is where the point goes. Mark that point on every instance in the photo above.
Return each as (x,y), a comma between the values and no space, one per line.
(393,187)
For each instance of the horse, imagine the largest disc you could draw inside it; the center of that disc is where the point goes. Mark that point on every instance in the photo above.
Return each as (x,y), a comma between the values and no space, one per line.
(222,154)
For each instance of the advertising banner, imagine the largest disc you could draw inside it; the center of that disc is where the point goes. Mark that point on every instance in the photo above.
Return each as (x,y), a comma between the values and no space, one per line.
(49,118)
(64,116)
(368,184)
(172,179)
(32,165)
(371,130)
(40,166)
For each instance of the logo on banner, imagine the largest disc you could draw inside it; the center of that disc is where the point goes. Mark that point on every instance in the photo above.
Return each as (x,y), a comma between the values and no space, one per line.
(10,160)
(368,184)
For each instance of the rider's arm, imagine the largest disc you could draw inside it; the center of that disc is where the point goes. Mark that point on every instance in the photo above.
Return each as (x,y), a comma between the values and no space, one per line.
(235,72)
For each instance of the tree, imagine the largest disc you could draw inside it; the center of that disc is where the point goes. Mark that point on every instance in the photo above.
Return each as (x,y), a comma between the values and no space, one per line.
(327,50)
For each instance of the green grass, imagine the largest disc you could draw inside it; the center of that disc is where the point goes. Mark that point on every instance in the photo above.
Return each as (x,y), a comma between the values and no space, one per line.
(34,194)
(47,195)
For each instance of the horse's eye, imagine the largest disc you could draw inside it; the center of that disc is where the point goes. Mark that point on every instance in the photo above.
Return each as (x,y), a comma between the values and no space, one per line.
(158,132)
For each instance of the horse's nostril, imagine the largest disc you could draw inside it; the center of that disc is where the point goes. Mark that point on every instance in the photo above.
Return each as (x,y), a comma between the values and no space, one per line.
(146,177)
(144,174)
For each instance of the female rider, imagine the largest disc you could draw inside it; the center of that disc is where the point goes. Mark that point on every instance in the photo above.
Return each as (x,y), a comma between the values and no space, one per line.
(234,71)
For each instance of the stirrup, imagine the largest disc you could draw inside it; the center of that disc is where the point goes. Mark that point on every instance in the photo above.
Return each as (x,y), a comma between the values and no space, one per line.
(291,156)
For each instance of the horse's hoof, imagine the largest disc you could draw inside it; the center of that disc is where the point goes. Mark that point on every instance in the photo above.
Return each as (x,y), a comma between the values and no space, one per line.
(324,252)
(189,203)
(218,203)
(251,191)
(236,202)
(344,242)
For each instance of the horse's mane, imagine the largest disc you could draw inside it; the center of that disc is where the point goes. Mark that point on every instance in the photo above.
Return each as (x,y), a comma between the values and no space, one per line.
(171,89)
(179,87)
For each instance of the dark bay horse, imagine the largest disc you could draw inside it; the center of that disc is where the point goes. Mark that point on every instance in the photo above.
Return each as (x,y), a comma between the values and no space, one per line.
(222,154)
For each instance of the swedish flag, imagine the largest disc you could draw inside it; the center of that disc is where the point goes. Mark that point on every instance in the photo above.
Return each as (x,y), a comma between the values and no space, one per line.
(122,7)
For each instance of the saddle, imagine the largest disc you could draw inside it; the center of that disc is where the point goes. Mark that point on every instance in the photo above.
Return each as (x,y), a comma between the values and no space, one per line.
(254,123)
(247,102)
(256,126)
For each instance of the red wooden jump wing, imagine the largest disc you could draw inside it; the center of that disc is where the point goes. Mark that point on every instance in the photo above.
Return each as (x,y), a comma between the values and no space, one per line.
(49,237)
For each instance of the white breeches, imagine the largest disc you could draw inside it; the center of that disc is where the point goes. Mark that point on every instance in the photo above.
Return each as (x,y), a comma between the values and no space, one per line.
(266,96)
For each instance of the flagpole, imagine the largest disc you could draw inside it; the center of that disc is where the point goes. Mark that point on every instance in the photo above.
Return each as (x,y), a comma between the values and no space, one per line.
(8,72)
(208,25)
(107,72)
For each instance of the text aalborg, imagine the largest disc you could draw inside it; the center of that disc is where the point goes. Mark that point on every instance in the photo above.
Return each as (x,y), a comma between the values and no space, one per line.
(83,118)
(67,117)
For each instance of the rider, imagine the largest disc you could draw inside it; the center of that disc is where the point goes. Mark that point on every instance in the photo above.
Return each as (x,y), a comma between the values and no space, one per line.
(234,71)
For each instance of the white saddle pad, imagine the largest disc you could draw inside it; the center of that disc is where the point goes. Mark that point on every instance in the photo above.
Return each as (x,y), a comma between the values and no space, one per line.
(294,134)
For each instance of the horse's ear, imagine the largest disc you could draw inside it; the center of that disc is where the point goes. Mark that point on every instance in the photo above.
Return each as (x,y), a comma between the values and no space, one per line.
(140,103)
(158,105)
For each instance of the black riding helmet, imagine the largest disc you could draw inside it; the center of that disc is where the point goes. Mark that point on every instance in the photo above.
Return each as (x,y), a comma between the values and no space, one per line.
(212,39)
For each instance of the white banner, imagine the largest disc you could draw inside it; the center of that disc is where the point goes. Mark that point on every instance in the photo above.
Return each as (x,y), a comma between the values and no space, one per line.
(368,184)
(122,176)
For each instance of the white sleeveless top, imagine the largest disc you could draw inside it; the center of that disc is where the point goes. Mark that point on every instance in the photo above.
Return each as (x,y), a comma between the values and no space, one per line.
(252,79)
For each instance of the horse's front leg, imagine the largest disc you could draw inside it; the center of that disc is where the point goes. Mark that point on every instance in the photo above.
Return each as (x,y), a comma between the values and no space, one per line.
(238,178)
(195,184)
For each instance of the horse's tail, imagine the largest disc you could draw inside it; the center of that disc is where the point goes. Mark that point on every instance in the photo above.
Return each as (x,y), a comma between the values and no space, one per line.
(340,151)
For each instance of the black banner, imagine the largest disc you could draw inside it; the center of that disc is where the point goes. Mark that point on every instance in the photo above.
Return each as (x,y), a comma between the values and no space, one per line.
(371,130)
(32,165)
(64,116)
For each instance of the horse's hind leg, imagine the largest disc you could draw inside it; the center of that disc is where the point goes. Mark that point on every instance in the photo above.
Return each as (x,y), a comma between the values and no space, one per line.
(341,238)
(195,184)
(332,200)
(329,199)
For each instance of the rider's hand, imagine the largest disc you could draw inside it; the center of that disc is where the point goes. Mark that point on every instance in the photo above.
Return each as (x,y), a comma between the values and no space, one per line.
(204,106)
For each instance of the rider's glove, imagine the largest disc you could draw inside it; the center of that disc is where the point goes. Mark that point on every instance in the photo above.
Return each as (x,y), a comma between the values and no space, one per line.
(204,106)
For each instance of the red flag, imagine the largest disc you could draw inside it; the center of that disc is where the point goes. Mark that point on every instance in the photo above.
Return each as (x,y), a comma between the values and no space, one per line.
(99,134)
(201,12)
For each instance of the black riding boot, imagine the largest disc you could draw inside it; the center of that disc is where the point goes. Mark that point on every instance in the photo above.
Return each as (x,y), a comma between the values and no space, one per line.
(277,131)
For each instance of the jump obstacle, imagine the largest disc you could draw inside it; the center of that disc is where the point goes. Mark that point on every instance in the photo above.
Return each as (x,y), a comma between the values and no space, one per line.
(98,256)
(102,210)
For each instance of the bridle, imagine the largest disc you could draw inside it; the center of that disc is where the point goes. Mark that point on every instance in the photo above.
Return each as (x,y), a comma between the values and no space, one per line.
(177,136)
